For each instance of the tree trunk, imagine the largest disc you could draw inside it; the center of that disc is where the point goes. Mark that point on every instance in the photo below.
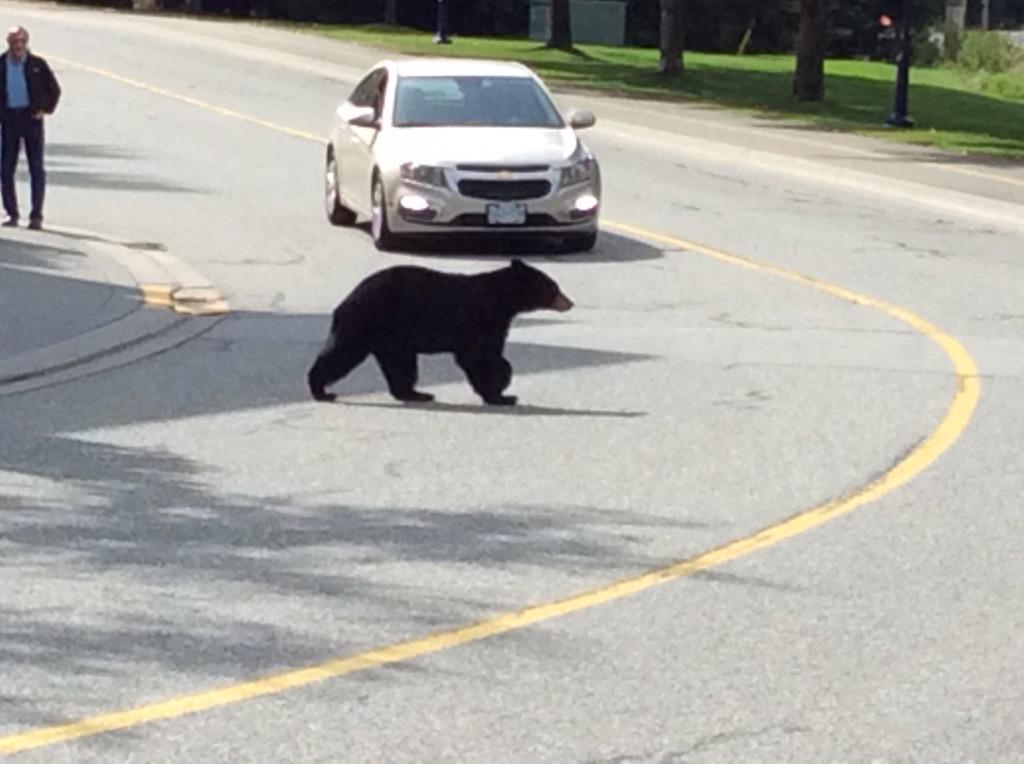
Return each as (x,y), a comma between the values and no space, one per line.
(956,19)
(145,5)
(390,11)
(561,25)
(745,40)
(673,37)
(809,80)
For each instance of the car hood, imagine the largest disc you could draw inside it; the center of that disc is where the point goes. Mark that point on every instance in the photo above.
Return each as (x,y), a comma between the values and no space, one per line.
(447,146)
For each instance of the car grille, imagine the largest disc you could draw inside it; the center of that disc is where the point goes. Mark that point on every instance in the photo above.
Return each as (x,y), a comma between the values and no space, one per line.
(504,190)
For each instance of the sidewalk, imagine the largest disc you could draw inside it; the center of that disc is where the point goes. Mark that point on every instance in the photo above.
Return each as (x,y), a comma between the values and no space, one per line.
(979,187)
(71,298)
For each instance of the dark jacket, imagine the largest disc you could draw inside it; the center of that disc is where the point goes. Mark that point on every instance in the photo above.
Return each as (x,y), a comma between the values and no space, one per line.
(43,90)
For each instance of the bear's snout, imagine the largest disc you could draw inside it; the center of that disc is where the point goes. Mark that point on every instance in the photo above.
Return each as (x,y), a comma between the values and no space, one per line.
(561,303)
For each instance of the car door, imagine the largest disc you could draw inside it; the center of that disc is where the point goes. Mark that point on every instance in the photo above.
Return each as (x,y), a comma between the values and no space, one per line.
(356,143)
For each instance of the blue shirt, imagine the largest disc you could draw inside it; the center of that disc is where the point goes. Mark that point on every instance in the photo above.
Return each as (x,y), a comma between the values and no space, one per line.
(17,85)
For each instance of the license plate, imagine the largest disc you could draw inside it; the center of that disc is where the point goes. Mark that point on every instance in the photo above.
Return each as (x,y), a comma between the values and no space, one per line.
(506,213)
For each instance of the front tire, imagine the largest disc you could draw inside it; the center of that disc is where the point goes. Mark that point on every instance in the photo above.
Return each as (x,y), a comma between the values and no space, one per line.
(383,239)
(337,213)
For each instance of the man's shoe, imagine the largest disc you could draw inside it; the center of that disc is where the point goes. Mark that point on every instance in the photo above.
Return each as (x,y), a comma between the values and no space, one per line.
(36,224)
(10,223)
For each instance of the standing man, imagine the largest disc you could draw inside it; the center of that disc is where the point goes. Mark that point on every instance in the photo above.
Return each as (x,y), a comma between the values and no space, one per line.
(28,92)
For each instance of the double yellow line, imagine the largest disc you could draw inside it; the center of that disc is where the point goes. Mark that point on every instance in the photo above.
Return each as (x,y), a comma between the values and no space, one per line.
(966,393)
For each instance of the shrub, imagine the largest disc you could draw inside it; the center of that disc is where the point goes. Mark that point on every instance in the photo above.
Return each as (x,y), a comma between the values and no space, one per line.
(986,52)
(1006,84)
(927,48)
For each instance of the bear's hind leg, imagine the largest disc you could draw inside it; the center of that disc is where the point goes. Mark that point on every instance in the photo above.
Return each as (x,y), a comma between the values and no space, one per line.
(399,367)
(334,362)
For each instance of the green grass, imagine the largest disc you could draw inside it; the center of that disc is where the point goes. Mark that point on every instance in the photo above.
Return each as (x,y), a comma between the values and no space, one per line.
(950,109)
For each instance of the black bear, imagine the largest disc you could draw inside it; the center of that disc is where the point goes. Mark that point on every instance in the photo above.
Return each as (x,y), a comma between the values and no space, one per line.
(404,310)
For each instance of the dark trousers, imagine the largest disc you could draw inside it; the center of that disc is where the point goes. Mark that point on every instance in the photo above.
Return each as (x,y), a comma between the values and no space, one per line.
(21,127)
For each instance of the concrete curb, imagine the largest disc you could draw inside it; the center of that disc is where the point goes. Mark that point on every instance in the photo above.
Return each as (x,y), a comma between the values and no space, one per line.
(162,280)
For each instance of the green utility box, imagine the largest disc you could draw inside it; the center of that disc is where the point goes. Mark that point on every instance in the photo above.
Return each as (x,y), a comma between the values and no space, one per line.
(600,22)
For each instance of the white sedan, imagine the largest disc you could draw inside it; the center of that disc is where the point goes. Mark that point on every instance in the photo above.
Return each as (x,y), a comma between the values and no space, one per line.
(443,146)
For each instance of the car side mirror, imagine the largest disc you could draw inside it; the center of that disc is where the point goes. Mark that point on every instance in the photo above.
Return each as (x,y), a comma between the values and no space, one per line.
(364,116)
(580,119)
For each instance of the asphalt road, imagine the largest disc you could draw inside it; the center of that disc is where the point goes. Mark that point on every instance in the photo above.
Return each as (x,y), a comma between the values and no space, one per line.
(177,529)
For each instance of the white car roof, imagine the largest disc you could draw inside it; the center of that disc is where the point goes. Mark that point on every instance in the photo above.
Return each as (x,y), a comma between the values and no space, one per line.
(459,67)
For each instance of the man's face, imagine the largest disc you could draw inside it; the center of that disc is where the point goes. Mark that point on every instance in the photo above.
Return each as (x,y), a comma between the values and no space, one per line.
(17,44)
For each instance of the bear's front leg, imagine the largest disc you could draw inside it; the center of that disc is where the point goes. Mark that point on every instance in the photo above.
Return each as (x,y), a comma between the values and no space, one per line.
(399,367)
(489,376)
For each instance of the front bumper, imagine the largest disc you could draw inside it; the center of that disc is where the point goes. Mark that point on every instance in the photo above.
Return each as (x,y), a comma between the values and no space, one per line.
(485,200)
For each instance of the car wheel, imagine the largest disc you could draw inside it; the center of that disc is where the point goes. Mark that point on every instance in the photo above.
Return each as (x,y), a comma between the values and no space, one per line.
(337,213)
(579,242)
(383,239)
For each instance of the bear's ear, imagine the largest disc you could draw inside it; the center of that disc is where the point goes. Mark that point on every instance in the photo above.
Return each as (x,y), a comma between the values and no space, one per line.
(517,263)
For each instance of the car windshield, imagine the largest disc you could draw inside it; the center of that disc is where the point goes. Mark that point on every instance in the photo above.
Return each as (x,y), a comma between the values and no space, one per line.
(473,101)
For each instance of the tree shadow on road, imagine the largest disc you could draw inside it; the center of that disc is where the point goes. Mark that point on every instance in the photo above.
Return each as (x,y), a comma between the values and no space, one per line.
(132,560)
(156,570)
(47,292)
(20,251)
(65,159)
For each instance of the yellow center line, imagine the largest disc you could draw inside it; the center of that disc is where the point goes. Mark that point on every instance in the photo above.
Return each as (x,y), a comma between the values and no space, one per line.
(967,391)
(187,99)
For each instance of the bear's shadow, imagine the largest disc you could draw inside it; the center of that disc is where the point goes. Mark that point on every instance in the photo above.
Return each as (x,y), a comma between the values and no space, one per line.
(483,410)
(527,359)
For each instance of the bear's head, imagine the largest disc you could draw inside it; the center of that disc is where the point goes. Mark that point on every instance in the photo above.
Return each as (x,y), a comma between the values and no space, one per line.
(533,290)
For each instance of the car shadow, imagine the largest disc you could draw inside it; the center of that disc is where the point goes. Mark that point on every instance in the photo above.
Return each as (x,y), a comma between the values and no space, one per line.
(610,247)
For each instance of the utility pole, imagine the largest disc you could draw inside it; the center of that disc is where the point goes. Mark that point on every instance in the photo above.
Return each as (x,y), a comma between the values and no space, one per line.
(441,38)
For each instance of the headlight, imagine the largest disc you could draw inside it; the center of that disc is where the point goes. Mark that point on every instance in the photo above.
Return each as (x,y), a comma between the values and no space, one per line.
(422,173)
(580,171)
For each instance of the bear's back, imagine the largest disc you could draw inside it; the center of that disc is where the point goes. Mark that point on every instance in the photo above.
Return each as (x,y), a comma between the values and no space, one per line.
(420,308)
